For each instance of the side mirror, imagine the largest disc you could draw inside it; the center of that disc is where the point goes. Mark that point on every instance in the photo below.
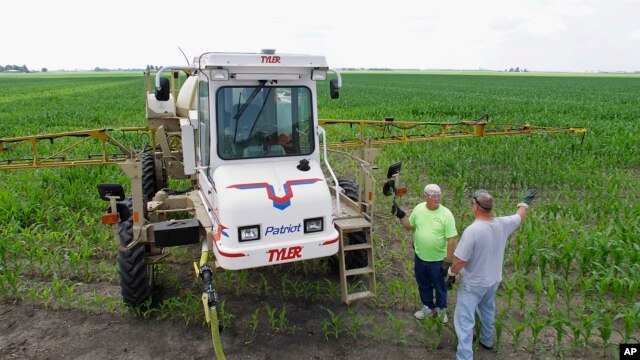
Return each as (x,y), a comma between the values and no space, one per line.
(393,179)
(163,93)
(394,169)
(106,190)
(333,89)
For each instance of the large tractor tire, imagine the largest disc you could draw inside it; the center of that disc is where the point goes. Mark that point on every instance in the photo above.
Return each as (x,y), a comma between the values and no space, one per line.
(136,277)
(356,258)
(151,181)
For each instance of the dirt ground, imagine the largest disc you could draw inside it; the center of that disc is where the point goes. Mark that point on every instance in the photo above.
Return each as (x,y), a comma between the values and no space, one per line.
(33,333)
(30,333)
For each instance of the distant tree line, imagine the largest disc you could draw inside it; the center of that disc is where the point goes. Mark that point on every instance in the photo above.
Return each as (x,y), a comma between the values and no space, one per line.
(517,69)
(24,69)
(13,68)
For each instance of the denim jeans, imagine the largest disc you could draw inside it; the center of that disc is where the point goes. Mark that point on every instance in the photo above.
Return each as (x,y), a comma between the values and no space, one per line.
(472,299)
(429,278)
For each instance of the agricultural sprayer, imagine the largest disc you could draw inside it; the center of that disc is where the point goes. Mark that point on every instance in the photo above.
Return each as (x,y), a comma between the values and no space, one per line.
(243,129)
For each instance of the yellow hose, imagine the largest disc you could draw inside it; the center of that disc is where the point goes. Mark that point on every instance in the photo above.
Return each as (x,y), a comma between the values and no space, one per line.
(215,334)
(204,258)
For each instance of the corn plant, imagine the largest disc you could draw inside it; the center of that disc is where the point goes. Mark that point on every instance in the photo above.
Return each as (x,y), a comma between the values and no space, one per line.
(264,286)
(144,310)
(605,330)
(559,322)
(284,281)
(518,329)
(630,318)
(355,323)
(538,287)
(225,318)
(499,325)
(398,329)
(242,281)
(632,290)
(271,314)
(333,325)
(254,321)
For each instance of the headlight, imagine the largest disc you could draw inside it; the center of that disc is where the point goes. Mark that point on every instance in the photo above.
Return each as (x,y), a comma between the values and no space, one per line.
(318,74)
(248,233)
(313,225)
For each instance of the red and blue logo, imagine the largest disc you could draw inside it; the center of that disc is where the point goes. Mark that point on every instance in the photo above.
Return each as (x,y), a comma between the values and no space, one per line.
(279,202)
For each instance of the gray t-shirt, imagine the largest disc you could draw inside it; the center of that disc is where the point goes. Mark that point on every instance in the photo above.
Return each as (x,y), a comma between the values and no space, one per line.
(482,247)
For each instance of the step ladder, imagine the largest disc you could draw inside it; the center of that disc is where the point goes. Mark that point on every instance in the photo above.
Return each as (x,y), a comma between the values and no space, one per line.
(368,288)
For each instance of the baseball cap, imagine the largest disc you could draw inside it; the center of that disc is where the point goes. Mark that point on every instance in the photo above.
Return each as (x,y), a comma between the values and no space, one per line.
(483,199)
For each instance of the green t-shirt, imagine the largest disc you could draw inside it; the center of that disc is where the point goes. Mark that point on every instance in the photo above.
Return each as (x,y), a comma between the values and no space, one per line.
(431,229)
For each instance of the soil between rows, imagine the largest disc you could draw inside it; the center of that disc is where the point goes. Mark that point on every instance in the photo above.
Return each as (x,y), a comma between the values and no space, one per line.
(27,332)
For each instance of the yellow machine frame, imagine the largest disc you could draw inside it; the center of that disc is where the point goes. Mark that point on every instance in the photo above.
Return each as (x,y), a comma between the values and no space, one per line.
(368,133)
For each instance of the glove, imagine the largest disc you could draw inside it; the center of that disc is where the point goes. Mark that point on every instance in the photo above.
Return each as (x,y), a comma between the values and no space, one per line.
(529,195)
(449,282)
(451,278)
(445,268)
(395,209)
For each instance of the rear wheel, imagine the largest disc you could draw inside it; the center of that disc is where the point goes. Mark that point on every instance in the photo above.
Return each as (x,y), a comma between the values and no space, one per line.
(354,259)
(350,187)
(152,182)
(136,277)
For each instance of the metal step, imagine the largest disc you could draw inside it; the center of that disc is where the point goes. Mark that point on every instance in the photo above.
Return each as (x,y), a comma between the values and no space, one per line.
(359,271)
(352,224)
(356,247)
(360,295)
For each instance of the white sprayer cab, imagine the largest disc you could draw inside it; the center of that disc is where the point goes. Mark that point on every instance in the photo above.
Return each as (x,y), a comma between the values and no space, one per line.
(258,156)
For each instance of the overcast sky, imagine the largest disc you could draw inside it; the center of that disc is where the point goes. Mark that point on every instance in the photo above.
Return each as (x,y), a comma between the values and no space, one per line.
(555,35)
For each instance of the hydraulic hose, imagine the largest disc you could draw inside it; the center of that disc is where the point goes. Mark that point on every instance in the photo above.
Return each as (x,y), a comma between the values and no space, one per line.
(210,302)
(215,335)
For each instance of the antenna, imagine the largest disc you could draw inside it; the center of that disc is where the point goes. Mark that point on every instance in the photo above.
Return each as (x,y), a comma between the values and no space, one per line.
(185,56)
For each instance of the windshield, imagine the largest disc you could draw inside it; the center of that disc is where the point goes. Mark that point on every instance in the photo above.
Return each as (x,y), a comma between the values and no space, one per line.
(261,121)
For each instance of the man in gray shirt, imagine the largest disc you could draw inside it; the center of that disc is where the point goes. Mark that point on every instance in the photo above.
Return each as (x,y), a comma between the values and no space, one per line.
(478,257)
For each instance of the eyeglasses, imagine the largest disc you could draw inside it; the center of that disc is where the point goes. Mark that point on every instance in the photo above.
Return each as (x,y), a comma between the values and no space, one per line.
(433,196)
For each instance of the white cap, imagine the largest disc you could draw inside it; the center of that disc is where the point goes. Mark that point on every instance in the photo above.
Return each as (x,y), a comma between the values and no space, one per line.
(432,189)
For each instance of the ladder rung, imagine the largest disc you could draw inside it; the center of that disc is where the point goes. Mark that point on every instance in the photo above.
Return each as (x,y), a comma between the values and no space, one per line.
(359,295)
(359,271)
(356,247)
(355,223)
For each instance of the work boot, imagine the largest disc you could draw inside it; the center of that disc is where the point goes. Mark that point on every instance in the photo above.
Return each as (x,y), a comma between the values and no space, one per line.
(420,314)
(438,311)
(486,347)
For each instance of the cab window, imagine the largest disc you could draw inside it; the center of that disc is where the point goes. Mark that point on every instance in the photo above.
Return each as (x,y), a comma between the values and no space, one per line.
(264,121)
(204,123)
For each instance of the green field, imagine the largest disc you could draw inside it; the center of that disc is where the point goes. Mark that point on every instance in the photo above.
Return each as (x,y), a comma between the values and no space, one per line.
(572,272)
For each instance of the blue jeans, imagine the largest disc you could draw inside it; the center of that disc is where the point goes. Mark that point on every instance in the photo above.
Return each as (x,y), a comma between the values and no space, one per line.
(472,299)
(429,278)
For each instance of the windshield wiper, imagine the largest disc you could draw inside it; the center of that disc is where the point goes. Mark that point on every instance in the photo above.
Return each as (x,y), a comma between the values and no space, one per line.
(249,100)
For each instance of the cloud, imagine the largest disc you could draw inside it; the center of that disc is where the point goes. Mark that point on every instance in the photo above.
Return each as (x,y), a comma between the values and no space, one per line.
(555,17)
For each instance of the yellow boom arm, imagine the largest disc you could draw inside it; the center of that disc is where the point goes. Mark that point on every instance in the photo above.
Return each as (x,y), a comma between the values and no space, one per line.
(75,148)
(389,131)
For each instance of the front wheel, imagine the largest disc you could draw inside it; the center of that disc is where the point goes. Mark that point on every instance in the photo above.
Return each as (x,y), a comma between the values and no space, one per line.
(136,277)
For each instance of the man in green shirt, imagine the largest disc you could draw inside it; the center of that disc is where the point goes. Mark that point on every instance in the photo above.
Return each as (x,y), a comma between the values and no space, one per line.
(434,240)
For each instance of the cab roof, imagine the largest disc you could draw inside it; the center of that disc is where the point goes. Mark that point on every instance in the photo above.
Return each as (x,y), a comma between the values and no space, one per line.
(222,59)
